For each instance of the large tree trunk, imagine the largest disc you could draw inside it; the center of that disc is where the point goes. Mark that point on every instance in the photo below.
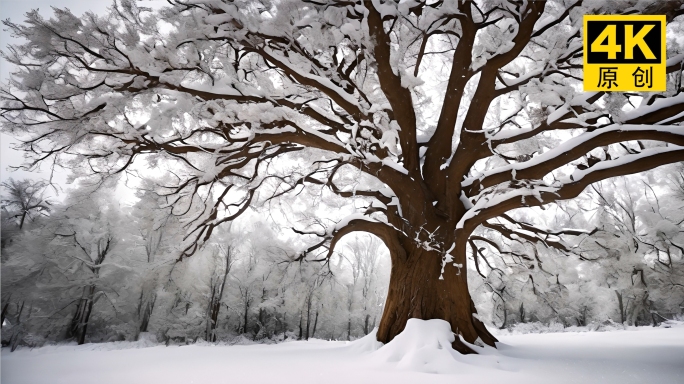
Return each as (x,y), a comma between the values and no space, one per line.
(416,291)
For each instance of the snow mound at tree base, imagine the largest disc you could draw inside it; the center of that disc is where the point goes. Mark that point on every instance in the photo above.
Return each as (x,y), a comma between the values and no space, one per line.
(425,346)
(368,343)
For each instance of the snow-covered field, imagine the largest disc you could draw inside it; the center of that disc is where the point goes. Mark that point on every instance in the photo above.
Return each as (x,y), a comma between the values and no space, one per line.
(635,355)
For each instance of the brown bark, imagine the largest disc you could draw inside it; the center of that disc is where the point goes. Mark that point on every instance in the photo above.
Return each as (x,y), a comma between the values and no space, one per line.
(416,291)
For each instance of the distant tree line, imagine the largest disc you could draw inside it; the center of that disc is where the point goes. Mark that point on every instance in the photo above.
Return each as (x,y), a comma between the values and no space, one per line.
(96,270)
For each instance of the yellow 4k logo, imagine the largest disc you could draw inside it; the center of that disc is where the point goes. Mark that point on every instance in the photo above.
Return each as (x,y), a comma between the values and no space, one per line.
(624,53)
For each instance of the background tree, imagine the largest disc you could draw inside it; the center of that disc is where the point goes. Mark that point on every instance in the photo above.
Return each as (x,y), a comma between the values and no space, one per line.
(224,260)
(432,119)
(157,227)
(25,198)
(94,248)
(71,272)
(140,293)
(365,257)
(628,270)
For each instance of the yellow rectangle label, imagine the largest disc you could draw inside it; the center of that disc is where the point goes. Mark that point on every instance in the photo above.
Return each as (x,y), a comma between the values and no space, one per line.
(624,53)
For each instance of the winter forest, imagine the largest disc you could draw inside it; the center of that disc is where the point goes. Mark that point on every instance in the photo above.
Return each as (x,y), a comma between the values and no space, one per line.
(423,183)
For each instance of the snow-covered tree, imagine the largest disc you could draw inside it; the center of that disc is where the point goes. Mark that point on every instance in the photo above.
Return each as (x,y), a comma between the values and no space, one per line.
(157,231)
(627,270)
(22,263)
(25,198)
(224,259)
(71,272)
(433,119)
(641,243)
(367,285)
(96,248)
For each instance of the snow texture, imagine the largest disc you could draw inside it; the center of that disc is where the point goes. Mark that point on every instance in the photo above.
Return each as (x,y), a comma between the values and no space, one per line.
(421,354)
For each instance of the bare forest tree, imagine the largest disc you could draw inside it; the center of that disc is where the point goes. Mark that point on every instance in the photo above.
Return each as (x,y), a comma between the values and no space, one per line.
(364,259)
(84,308)
(435,118)
(225,259)
(91,245)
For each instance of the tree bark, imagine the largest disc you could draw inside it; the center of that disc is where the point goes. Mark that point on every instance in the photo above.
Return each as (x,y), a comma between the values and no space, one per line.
(505,316)
(622,308)
(79,324)
(308,315)
(145,308)
(416,291)
(350,303)
(18,335)
(301,327)
(21,223)
(313,333)
(245,317)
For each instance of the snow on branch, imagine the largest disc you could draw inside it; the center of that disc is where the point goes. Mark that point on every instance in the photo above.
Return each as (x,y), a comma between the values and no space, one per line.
(572,149)
(488,207)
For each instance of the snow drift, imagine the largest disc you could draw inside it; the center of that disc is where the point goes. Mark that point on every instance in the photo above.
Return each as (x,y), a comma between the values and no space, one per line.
(629,356)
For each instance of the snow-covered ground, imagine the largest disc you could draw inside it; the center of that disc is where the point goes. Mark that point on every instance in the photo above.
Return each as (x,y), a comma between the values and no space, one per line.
(635,355)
